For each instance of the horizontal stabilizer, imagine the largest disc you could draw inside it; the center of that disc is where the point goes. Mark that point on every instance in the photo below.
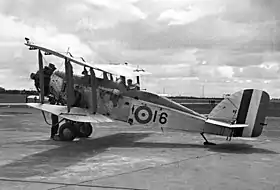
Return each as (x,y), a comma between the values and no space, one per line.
(75,114)
(223,124)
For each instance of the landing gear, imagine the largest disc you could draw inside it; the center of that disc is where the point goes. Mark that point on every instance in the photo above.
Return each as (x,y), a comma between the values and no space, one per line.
(84,130)
(206,141)
(230,135)
(71,130)
(67,132)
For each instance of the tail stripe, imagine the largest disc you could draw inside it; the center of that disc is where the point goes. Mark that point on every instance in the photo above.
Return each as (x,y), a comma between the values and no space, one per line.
(243,110)
(252,112)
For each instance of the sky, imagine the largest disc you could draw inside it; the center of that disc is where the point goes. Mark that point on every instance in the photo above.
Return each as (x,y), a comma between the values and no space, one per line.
(221,46)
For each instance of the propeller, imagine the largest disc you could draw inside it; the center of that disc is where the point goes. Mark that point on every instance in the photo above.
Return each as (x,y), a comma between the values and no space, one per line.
(41,76)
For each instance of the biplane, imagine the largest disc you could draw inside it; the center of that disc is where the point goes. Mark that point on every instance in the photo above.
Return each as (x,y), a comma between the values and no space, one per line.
(83,100)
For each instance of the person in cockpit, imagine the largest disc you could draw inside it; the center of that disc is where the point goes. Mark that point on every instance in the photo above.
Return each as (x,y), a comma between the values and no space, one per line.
(131,86)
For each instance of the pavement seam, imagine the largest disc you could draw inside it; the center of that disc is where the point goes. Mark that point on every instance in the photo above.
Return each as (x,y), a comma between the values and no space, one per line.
(68,184)
(139,170)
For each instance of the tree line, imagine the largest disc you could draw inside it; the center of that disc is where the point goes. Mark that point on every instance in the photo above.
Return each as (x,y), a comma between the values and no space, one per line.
(27,92)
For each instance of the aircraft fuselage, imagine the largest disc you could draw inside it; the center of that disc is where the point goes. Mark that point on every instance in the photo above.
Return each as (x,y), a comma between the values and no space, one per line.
(109,102)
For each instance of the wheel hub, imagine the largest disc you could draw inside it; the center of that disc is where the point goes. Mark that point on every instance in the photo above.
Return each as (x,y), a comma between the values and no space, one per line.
(67,133)
(84,129)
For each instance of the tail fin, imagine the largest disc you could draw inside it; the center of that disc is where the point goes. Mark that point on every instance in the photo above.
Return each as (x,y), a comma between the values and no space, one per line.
(247,106)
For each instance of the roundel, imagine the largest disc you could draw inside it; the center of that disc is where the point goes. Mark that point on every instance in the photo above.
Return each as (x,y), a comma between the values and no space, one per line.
(143,114)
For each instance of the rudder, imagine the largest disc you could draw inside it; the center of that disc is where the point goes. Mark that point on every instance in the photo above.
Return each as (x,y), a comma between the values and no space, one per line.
(247,106)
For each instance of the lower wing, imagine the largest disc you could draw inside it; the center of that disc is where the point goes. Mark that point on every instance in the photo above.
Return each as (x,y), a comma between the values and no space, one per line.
(75,114)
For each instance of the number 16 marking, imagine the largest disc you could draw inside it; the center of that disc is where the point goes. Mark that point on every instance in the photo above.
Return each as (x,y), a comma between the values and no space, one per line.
(162,117)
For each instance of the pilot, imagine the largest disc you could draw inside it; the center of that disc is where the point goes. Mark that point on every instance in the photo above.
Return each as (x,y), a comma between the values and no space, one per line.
(131,86)
(48,70)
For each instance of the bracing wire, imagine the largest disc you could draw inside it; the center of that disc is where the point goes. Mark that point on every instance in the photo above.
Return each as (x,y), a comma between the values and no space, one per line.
(43,113)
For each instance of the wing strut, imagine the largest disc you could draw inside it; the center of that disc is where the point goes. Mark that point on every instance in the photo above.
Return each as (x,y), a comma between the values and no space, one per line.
(105,76)
(138,82)
(69,84)
(111,77)
(93,90)
(41,75)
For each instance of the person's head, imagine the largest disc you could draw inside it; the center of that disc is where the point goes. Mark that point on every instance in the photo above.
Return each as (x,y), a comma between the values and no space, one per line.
(52,66)
(85,72)
(129,82)
(32,76)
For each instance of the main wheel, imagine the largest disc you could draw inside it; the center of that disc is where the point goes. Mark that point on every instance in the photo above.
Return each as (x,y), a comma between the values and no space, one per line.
(67,132)
(85,130)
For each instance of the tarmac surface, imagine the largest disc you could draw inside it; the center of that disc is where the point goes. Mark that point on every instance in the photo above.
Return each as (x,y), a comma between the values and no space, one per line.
(119,156)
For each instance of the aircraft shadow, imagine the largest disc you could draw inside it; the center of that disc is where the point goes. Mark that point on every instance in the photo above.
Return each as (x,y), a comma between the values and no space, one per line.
(235,148)
(66,154)
(70,153)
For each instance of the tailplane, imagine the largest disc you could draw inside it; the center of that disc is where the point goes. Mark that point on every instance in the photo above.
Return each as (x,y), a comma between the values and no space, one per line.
(247,106)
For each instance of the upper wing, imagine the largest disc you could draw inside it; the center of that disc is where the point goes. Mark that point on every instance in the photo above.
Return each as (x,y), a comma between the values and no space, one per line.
(113,69)
(124,70)
(53,52)
(75,114)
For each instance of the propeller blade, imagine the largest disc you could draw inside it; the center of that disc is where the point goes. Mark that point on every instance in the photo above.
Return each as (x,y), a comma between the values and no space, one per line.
(41,76)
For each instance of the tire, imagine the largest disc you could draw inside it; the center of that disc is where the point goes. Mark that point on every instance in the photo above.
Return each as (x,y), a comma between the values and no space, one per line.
(85,130)
(67,132)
